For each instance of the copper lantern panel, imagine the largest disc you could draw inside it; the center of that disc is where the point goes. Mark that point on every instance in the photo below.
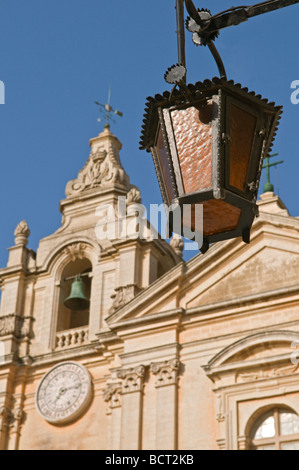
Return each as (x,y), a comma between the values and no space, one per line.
(192,129)
(218,216)
(242,133)
(208,142)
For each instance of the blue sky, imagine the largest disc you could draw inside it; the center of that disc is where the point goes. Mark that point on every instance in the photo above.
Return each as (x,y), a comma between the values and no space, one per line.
(58,57)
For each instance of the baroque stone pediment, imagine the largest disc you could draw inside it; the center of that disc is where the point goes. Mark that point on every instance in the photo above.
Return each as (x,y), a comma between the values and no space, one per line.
(230,274)
(102,170)
(252,358)
(247,275)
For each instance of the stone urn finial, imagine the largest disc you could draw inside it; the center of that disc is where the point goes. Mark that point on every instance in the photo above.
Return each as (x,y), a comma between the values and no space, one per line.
(22,233)
(134,196)
(133,201)
(177,243)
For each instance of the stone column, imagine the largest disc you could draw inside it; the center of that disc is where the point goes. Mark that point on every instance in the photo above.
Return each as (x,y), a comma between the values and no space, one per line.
(17,414)
(14,424)
(5,417)
(166,403)
(112,396)
(243,443)
(13,284)
(132,401)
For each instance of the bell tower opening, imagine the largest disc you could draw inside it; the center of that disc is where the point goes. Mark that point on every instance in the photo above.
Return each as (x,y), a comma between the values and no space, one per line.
(74,299)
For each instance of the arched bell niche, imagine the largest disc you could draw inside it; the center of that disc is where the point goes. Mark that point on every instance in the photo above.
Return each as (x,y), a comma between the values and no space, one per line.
(68,319)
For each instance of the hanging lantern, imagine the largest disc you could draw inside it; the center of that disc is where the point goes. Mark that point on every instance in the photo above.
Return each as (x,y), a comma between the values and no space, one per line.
(77,299)
(208,142)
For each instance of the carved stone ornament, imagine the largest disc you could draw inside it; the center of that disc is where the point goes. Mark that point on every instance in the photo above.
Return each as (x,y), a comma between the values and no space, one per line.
(75,251)
(5,416)
(101,170)
(132,379)
(134,196)
(122,296)
(22,233)
(14,419)
(177,243)
(166,372)
(267,374)
(112,396)
(15,325)
(220,407)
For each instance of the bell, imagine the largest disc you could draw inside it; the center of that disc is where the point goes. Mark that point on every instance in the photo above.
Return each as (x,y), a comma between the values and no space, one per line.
(77,299)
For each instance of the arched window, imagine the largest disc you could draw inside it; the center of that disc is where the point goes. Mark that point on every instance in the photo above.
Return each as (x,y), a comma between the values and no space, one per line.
(69,319)
(277,429)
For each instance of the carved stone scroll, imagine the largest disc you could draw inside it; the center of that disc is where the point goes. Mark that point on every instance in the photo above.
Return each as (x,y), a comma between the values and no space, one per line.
(76,251)
(123,295)
(112,396)
(166,372)
(15,325)
(132,379)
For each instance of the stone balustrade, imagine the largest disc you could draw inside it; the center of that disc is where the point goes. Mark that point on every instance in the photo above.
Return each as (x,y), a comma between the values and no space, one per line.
(69,338)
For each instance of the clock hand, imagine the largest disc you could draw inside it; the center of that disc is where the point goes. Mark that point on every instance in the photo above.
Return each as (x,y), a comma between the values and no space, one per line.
(57,398)
(70,388)
(63,390)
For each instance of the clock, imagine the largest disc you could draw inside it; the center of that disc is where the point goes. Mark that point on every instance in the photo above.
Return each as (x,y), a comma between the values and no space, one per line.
(64,393)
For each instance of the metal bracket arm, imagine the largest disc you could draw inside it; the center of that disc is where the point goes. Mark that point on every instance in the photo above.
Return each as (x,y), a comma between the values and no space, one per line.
(235,15)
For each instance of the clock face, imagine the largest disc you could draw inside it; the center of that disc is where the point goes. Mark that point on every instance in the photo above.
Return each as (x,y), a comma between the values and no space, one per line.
(64,393)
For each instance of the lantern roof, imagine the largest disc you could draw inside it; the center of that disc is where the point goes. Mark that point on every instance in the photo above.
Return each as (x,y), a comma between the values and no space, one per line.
(190,93)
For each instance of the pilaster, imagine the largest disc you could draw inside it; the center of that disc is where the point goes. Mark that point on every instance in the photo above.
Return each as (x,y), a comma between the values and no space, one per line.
(132,405)
(112,396)
(166,403)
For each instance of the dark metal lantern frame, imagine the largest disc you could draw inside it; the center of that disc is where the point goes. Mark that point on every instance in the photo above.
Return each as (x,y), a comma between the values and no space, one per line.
(208,142)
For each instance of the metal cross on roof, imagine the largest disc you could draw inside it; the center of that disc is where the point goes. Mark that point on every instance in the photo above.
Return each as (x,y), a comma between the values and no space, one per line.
(268,186)
(107,111)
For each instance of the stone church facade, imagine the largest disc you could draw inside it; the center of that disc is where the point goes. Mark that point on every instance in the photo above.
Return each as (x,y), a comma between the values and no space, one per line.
(177,355)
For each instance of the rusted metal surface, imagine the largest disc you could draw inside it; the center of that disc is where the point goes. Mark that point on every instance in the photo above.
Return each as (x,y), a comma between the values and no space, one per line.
(193,134)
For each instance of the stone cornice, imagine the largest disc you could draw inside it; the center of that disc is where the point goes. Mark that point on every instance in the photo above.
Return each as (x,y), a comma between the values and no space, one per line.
(171,277)
(219,309)
(252,340)
(160,317)
(69,354)
(13,271)
(224,250)
(249,365)
(244,301)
